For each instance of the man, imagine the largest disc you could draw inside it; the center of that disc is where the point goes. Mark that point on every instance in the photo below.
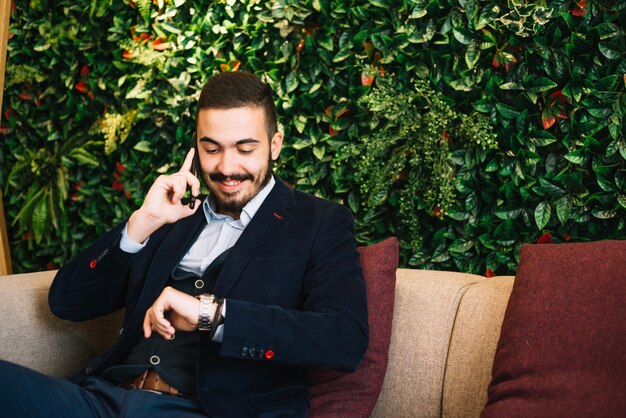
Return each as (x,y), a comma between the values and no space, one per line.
(228,303)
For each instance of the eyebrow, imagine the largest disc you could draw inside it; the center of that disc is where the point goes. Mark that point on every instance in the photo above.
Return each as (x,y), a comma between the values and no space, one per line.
(240,142)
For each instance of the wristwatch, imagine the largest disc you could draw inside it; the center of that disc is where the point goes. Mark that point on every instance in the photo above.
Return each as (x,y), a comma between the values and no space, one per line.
(204,312)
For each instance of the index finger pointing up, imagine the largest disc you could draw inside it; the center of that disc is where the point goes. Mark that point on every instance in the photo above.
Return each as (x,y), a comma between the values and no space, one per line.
(188,163)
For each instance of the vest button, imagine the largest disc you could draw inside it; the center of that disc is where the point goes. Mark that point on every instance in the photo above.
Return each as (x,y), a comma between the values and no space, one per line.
(154,360)
(199,284)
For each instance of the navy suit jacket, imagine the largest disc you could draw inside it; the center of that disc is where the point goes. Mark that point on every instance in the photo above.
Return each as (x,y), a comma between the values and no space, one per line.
(294,289)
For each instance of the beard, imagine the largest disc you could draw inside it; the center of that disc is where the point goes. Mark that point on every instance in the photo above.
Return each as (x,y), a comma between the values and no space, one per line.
(235,202)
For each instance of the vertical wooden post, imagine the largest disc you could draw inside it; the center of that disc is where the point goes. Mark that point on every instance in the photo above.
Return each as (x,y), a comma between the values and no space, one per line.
(5,12)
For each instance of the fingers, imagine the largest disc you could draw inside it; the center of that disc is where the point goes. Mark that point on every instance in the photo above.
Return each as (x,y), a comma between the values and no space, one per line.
(182,312)
(188,163)
(155,320)
(177,184)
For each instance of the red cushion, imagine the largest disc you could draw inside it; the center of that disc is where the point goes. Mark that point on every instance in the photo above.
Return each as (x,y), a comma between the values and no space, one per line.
(336,394)
(562,350)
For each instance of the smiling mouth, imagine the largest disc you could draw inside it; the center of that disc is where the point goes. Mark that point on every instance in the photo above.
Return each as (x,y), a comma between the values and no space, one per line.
(230,182)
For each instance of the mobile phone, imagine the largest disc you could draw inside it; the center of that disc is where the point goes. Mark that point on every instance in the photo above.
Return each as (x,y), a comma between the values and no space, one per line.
(194,167)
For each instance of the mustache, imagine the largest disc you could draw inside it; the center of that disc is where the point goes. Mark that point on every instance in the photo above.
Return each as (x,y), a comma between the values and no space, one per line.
(236,176)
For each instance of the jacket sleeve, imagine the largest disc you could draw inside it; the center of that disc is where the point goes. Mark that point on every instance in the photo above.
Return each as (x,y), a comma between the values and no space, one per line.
(330,331)
(94,282)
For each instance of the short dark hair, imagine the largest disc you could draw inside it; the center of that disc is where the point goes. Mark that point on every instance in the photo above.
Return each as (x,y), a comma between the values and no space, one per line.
(239,89)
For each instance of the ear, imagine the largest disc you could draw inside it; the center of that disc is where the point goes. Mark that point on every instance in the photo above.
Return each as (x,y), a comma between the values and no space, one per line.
(276,144)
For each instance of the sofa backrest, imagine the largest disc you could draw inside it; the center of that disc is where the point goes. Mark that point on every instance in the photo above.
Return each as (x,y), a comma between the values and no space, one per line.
(445,329)
(31,336)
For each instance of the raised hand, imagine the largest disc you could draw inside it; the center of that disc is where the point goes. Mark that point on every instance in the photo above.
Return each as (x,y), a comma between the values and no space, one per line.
(162,203)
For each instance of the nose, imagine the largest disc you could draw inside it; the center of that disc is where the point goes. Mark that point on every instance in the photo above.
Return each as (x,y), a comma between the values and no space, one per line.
(227,164)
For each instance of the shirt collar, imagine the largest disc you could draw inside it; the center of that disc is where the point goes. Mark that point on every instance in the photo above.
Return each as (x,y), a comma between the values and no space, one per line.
(248,211)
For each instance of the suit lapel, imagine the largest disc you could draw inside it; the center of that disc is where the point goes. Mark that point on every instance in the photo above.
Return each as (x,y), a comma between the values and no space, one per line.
(271,214)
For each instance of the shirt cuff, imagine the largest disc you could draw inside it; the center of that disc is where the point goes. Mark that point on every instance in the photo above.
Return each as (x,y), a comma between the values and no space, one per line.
(129,245)
(219,332)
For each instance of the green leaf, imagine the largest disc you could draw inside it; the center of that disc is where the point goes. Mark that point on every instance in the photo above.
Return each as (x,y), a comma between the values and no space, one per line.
(506,111)
(577,157)
(540,84)
(564,208)
(608,30)
(461,245)
(462,35)
(508,214)
(142,146)
(472,55)
(40,217)
(542,214)
(541,138)
(319,152)
(291,82)
(610,50)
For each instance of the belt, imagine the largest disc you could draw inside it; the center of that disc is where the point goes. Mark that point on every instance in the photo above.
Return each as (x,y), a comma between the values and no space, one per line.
(151,381)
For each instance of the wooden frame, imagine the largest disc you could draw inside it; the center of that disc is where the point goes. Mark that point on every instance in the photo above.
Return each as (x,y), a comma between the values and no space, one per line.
(5,12)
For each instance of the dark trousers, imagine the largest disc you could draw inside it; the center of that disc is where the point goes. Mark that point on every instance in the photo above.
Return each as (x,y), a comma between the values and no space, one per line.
(25,393)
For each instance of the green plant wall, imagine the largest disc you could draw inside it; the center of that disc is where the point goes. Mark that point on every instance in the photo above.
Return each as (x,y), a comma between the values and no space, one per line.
(100,97)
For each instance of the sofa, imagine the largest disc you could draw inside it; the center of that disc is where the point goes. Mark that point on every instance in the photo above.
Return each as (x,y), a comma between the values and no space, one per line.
(445,329)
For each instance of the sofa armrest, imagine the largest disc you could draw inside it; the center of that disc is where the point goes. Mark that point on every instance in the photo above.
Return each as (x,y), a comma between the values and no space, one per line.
(31,336)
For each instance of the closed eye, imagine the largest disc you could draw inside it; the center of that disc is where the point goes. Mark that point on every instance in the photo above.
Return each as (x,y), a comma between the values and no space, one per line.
(246,149)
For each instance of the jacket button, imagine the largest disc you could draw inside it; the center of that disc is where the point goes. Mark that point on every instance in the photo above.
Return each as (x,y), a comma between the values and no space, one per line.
(269,354)
(244,352)
(253,352)
(154,360)
(199,284)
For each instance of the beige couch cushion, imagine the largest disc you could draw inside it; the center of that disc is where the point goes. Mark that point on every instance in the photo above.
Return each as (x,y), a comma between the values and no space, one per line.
(31,336)
(473,345)
(425,310)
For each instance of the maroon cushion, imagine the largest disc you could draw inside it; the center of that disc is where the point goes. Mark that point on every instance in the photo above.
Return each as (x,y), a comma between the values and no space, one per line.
(336,394)
(562,350)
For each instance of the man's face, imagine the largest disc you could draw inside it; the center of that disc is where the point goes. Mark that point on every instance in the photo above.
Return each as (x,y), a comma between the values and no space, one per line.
(235,155)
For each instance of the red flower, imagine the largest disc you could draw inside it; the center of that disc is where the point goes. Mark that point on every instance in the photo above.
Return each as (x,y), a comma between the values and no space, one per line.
(84,72)
(118,185)
(490,273)
(3,130)
(81,86)
(545,239)
(231,66)
(301,44)
(580,9)
(503,58)
(437,212)
(332,131)
(554,110)
(367,79)
(160,44)
(24,96)
(567,237)
(128,55)
(127,194)
(119,167)
(9,113)
(51,266)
